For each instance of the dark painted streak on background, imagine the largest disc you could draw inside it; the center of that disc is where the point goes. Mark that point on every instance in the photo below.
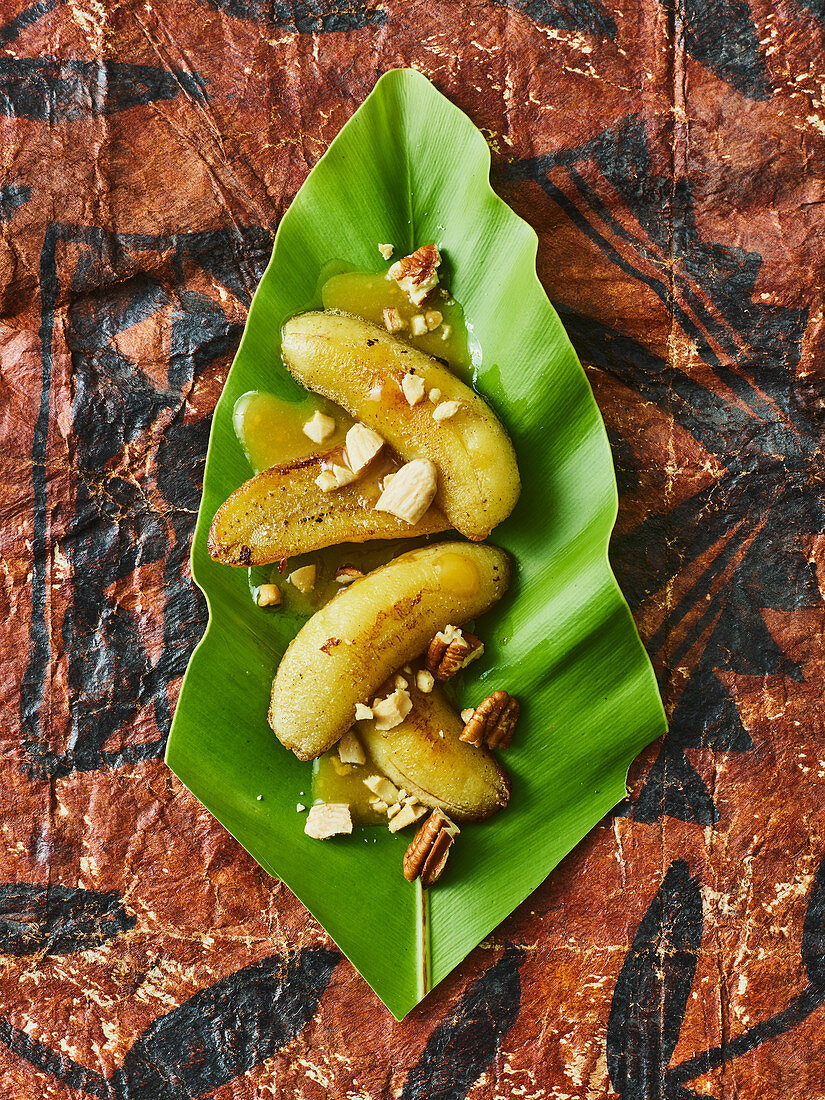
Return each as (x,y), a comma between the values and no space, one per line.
(305,16)
(57,920)
(587,16)
(464,1044)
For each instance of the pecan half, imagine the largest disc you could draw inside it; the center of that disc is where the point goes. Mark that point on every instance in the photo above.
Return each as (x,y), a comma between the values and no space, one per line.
(426,857)
(492,722)
(450,650)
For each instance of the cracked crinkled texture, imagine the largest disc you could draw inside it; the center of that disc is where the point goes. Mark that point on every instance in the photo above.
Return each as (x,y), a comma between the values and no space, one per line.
(671,159)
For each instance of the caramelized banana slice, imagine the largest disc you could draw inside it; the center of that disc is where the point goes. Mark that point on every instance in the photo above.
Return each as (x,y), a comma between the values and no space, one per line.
(423,754)
(284,511)
(363,368)
(343,654)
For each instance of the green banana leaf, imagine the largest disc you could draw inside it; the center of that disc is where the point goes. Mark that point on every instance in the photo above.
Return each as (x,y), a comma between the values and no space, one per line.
(410,168)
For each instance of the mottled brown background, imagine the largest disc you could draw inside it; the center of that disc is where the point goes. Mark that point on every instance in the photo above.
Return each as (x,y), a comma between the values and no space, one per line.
(671,159)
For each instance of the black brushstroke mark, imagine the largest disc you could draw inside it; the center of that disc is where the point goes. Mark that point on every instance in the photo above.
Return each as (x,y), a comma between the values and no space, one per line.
(12,197)
(113,529)
(305,16)
(767,444)
(218,1033)
(26,18)
(587,16)
(57,920)
(653,987)
(51,90)
(674,788)
(721,34)
(57,1065)
(465,1043)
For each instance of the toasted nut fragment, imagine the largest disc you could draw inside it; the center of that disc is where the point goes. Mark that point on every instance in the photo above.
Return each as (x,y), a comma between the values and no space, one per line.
(269,595)
(434,395)
(406,815)
(385,480)
(386,250)
(392,711)
(467,714)
(413,388)
(426,857)
(411,491)
(326,481)
(328,819)
(493,721)
(416,274)
(393,321)
(363,444)
(304,578)
(382,788)
(340,767)
(343,476)
(424,681)
(320,427)
(432,319)
(362,712)
(350,750)
(446,410)
(446,332)
(379,805)
(347,574)
(418,326)
(450,650)
(299,809)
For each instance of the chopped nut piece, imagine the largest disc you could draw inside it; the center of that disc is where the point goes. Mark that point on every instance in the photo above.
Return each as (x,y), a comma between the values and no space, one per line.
(363,444)
(350,750)
(467,714)
(451,650)
(407,669)
(446,332)
(379,805)
(390,712)
(416,274)
(445,410)
(382,788)
(346,574)
(406,815)
(432,319)
(386,250)
(320,427)
(418,326)
(269,595)
(304,578)
(399,682)
(424,681)
(393,321)
(362,712)
(326,481)
(426,857)
(434,395)
(299,809)
(413,388)
(385,480)
(343,476)
(411,491)
(328,819)
(493,721)
(340,767)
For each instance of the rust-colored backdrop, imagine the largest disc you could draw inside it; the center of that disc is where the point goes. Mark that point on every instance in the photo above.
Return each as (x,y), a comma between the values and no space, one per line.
(671,155)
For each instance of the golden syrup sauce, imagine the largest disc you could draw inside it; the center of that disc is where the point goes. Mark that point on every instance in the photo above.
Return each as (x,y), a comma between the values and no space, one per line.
(367,294)
(271,430)
(333,781)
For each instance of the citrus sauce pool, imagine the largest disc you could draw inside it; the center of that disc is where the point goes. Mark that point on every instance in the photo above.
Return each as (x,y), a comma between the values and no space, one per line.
(333,781)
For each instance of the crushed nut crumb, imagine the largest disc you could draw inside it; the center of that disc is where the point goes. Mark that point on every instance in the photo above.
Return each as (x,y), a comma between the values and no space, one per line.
(445,410)
(432,319)
(350,750)
(467,714)
(393,321)
(346,574)
(320,427)
(362,712)
(382,788)
(328,819)
(363,444)
(416,274)
(424,681)
(446,332)
(411,491)
(412,386)
(418,326)
(269,595)
(299,809)
(386,250)
(392,710)
(304,578)
(434,395)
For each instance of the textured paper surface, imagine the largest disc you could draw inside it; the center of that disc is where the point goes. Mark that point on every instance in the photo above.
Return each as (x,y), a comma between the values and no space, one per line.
(672,162)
